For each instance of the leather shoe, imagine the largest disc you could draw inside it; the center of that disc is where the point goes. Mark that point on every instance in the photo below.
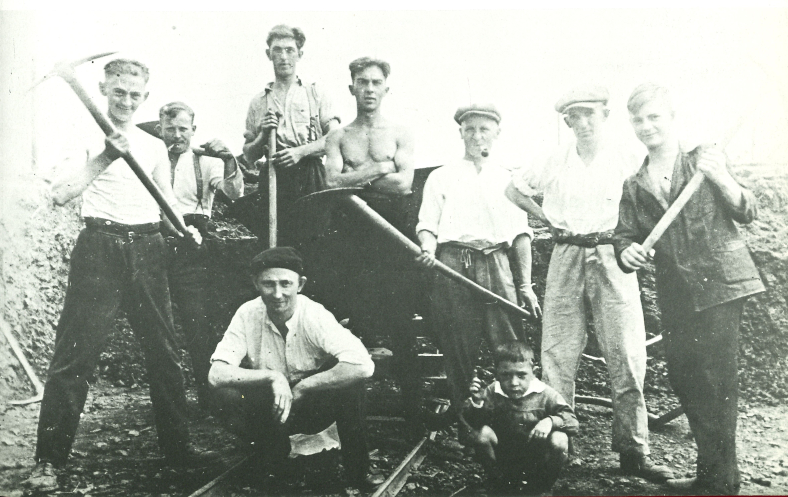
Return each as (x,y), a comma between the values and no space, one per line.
(643,467)
(42,479)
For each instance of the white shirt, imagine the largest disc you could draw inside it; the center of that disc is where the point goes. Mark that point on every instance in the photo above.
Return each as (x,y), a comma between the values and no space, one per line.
(314,337)
(117,194)
(185,183)
(470,207)
(578,197)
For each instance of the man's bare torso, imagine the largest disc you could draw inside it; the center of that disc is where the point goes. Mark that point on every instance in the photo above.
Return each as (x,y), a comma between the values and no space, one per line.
(362,145)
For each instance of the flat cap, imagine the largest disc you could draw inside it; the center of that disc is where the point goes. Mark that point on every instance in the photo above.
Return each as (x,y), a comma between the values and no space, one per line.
(487,110)
(582,97)
(278,257)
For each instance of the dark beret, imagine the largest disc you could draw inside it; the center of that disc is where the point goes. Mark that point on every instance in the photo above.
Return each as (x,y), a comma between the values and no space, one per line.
(582,97)
(278,257)
(487,110)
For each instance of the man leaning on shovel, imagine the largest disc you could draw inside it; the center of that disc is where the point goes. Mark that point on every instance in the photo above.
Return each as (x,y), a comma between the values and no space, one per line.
(118,261)
(301,116)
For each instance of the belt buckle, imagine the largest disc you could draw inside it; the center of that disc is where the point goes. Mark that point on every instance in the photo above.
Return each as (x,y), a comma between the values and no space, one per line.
(131,235)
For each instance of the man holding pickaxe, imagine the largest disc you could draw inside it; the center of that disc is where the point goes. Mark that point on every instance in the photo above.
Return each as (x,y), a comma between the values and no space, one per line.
(197,174)
(118,261)
(300,115)
(704,274)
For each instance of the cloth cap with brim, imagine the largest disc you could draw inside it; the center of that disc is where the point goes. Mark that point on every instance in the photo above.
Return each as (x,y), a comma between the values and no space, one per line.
(588,97)
(488,111)
(278,257)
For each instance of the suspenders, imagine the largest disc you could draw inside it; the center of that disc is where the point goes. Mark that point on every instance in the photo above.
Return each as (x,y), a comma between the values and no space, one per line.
(197,175)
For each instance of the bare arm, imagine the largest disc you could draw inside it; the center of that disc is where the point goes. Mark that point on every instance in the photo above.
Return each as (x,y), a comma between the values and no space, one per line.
(525,203)
(521,270)
(401,181)
(343,375)
(222,374)
(292,156)
(429,244)
(335,177)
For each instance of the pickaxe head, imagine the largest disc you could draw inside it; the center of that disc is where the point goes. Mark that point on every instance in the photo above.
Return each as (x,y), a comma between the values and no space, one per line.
(66,69)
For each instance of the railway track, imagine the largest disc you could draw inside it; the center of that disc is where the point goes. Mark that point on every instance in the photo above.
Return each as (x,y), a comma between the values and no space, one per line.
(389,488)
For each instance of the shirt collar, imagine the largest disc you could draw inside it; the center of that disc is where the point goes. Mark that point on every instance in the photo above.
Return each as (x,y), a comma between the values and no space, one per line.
(536,386)
(270,86)
(291,323)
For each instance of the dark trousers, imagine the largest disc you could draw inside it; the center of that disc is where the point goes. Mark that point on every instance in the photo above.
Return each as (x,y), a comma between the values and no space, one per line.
(188,277)
(247,412)
(515,459)
(110,271)
(701,349)
(461,318)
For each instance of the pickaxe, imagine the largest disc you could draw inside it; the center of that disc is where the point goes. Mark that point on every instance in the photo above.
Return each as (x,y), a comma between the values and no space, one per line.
(66,71)
(345,196)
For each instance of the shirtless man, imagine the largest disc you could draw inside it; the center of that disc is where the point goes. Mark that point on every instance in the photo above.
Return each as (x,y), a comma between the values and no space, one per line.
(376,154)
(371,151)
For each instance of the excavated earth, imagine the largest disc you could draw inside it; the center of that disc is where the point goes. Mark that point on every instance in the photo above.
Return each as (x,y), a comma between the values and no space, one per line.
(115,452)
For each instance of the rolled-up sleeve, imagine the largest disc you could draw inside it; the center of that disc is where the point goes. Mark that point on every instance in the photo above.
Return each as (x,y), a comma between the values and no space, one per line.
(431,206)
(529,180)
(233,347)
(327,113)
(337,341)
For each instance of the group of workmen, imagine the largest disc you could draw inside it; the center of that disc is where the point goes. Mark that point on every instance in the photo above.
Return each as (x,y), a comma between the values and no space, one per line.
(286,365)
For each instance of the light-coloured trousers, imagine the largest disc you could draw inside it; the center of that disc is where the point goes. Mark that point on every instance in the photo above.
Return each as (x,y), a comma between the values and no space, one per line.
(579,277)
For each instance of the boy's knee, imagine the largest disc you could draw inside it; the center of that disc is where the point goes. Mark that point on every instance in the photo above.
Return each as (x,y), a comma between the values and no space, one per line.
(558,443)
(486,436)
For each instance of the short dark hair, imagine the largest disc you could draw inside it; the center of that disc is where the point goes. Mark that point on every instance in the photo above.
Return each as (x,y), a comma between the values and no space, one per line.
(362,63)
(285,31)
(513,351)
(172,110)
(117,67)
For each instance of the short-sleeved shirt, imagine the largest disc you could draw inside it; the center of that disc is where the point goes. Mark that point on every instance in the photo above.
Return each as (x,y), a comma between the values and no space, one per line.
(314,338)
(578,197)
(470,207)
(185,183)
(295,125)
(117,194)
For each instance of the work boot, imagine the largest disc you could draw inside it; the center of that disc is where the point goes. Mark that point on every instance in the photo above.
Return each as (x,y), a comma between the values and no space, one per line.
(42,479)
(639,465)
(190,457)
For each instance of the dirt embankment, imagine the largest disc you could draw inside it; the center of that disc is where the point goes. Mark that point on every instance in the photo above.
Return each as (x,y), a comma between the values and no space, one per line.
(35,270)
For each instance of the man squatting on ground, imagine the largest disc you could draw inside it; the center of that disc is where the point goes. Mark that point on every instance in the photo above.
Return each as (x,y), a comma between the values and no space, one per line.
(466,222)
(118,261)
(518,425)
(377,154)
(581,183)
(194,180)
(304,370)
(301,116)
(704,274)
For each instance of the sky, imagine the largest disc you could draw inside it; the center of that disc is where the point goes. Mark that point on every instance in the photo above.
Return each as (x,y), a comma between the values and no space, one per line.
(727,69)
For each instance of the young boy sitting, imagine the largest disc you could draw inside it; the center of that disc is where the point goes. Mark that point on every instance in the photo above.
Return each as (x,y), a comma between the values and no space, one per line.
(519,425)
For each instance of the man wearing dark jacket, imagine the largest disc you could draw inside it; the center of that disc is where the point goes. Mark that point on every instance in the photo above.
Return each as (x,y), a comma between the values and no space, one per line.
(703,273)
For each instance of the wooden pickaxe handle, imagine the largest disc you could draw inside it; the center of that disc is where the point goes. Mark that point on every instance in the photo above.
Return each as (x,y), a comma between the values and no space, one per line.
(673,211)
(272,228)
(108,129)
(393,233)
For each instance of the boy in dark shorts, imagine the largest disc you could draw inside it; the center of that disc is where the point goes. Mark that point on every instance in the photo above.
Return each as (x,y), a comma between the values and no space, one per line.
(519,426)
